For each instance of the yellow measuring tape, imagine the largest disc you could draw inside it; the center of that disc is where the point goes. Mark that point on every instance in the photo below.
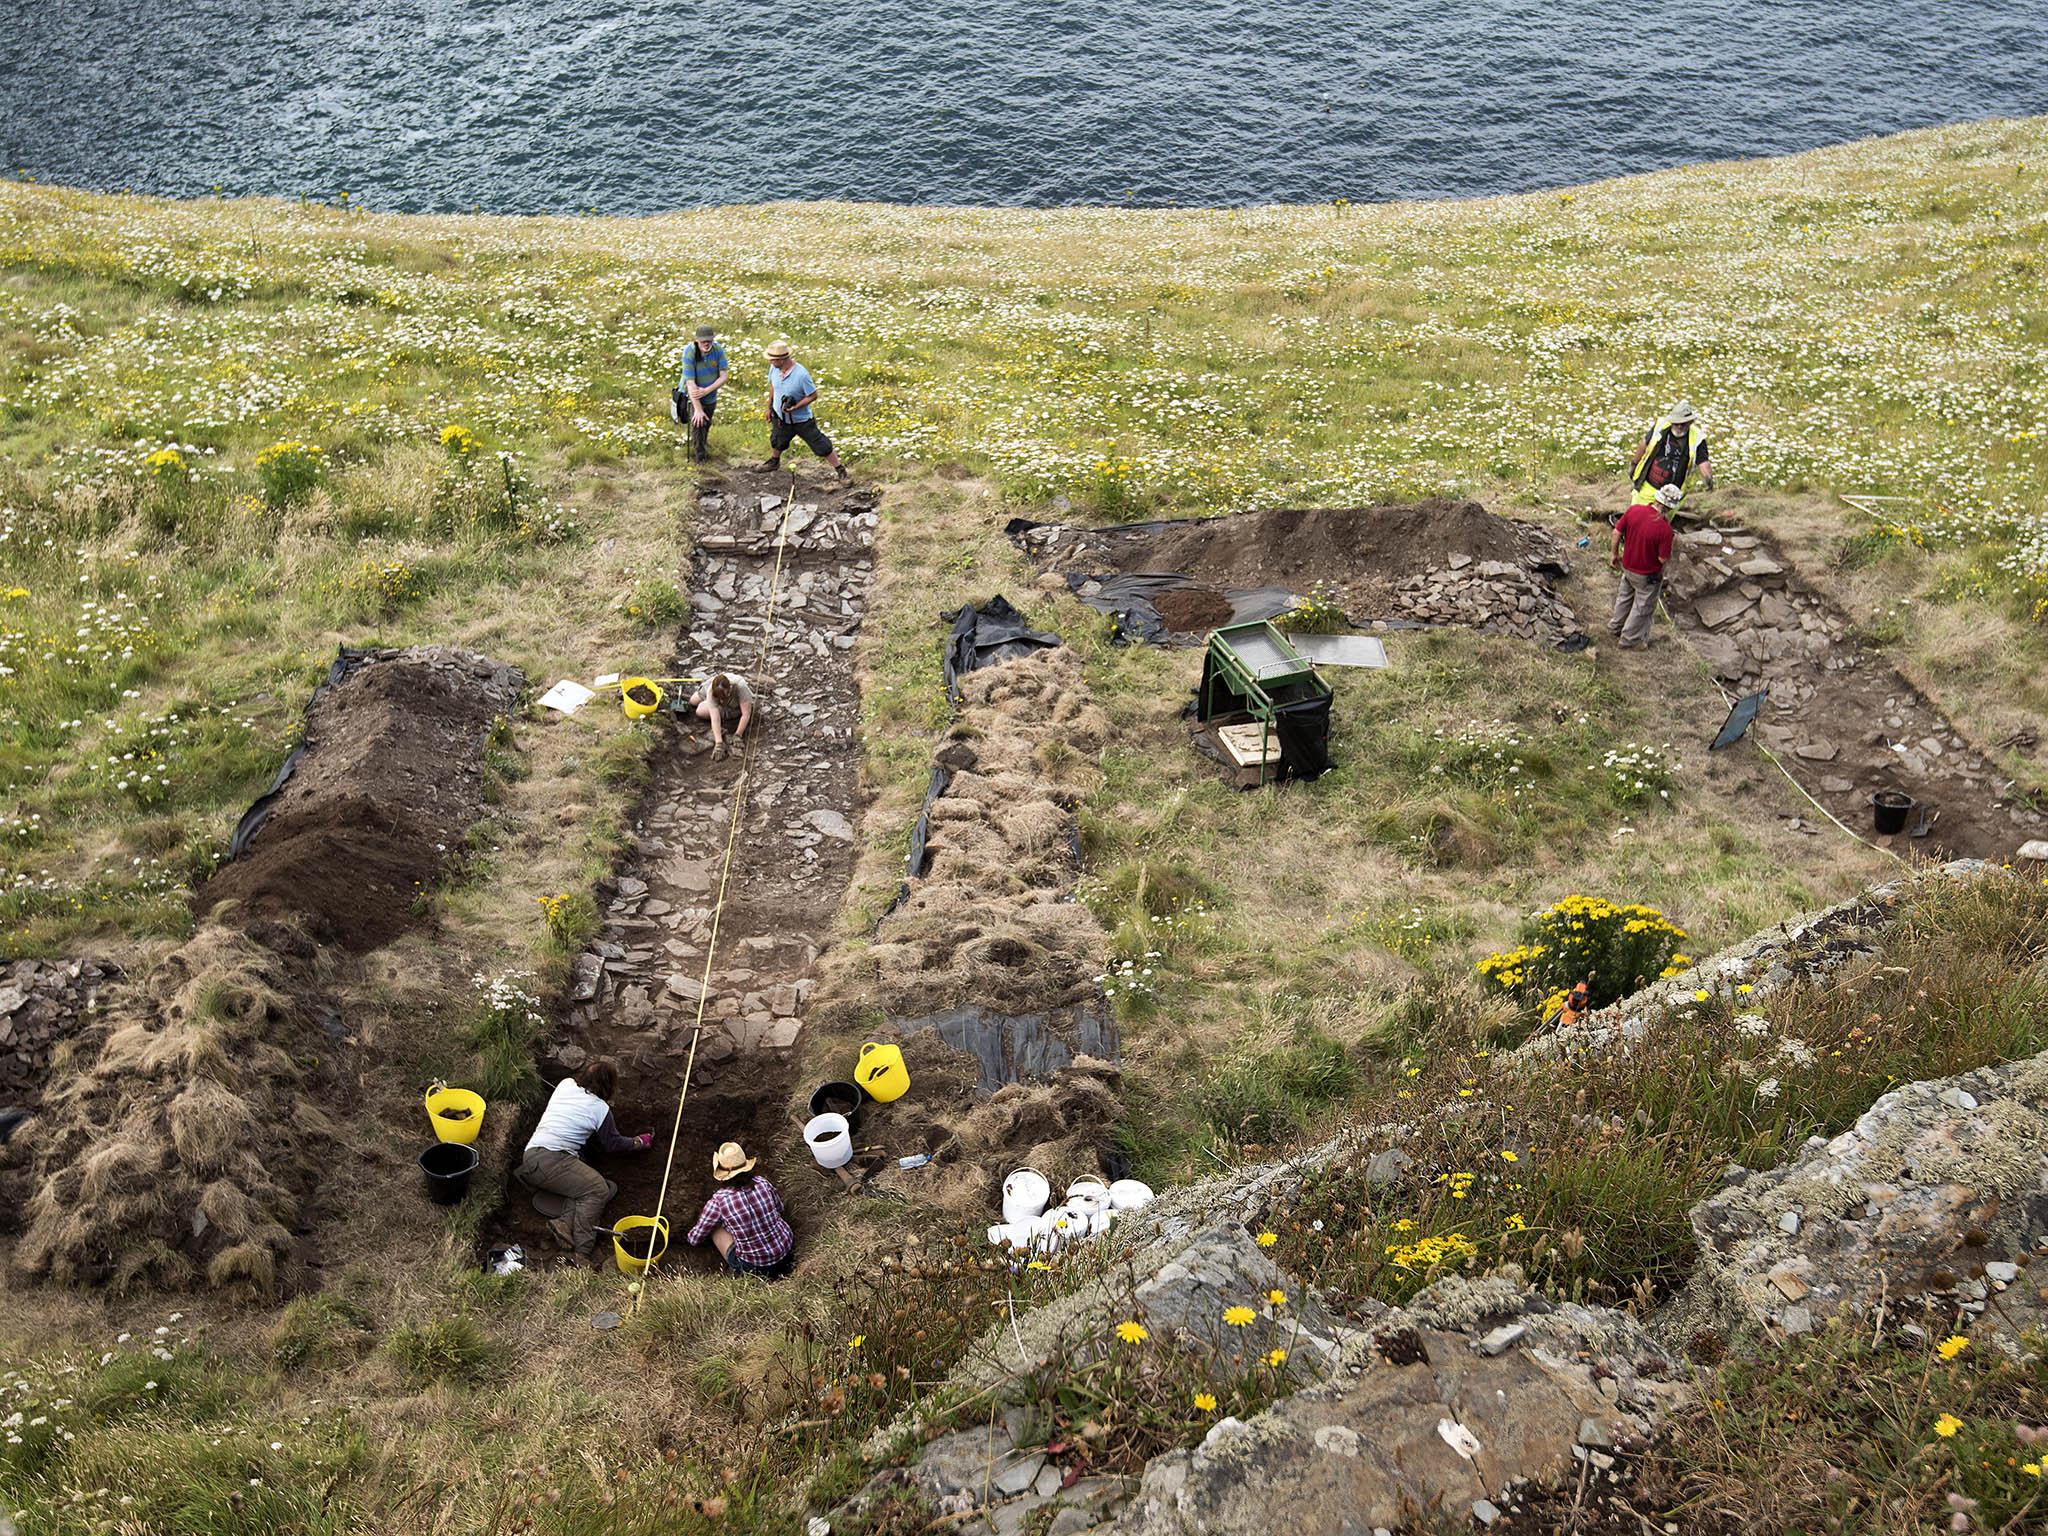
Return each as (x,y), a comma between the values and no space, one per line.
(739,797)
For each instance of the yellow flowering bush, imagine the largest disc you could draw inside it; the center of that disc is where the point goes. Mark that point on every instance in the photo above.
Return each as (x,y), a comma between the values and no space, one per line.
(167,466)
(1617,947)
(288,470)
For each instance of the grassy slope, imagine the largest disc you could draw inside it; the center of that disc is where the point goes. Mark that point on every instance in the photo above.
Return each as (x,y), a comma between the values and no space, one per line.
(1888,296)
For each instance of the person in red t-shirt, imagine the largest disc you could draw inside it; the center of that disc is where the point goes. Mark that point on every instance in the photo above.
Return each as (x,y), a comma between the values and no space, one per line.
(1641,544)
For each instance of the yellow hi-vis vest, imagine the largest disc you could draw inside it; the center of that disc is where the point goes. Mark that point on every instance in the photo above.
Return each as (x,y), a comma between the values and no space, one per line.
(1641,477)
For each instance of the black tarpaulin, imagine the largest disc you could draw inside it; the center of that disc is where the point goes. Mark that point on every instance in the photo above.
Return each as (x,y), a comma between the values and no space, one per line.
(985,635)
(346,661)
(921,833)
(1738,720)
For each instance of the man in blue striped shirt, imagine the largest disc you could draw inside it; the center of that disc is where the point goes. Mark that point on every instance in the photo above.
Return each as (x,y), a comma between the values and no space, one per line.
(704,374)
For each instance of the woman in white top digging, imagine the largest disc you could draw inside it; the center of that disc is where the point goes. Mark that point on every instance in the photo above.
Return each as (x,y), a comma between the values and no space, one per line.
(728,703)
(553,1162)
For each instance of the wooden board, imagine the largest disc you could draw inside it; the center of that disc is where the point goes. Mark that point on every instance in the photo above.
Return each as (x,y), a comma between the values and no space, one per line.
(1243,742)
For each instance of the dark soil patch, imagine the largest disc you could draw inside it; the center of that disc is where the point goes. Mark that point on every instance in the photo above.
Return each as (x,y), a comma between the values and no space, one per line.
(390,778)
(1839,719)
(1193,610)
(1362,553)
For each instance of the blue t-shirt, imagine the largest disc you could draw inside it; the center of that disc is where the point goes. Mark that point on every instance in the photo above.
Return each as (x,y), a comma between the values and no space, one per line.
(702,368)
(793,385)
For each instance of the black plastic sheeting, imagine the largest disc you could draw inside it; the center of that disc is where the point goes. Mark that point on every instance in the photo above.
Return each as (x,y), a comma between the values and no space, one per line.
(1738,720)
(1023,1047)
(346,660)
(1130,600)
(919,857)
(983,636)
(1301,720)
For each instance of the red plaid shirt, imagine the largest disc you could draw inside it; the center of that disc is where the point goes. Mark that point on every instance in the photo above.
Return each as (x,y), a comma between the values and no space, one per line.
(752,1213)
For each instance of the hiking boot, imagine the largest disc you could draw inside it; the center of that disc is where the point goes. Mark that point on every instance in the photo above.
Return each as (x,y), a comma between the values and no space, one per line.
(558,1229)
(844,477)
(769,466)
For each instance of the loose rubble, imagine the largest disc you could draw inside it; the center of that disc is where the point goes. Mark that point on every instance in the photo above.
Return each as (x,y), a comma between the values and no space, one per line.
(1495,597)
(42,1004)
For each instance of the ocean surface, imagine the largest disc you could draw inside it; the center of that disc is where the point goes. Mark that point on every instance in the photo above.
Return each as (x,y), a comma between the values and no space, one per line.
(635,106)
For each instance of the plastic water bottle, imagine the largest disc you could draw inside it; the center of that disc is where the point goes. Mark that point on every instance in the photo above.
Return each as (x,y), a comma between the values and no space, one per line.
(916,1160)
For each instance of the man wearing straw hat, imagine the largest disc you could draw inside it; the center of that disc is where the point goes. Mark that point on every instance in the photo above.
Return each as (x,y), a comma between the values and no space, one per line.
(791,397)
(744,1217)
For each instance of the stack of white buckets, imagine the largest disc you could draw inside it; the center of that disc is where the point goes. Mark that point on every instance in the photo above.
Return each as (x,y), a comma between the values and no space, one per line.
(1091,1205)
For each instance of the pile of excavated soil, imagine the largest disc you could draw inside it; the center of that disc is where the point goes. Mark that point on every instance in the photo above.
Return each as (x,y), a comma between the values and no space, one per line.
(1363,553)
(993,922)
(189,1143)
(390,778)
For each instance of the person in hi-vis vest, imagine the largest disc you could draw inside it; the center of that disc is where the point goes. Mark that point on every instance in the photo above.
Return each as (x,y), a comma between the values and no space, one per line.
(1670,450)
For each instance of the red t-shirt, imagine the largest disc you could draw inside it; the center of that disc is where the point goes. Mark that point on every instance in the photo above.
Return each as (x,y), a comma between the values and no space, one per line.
(1645,539)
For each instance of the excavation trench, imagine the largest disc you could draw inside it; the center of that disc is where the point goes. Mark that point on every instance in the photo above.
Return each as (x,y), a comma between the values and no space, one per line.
(1840,720)
(634,993)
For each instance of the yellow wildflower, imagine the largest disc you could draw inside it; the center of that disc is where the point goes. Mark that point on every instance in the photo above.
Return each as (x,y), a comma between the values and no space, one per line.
(1276,1357)
(1267,1239)
(1239,1317)
(1947,1425)
(1278,1298)
(1206,1401)
(1952,1346)
(1132,1332)
(856,1341)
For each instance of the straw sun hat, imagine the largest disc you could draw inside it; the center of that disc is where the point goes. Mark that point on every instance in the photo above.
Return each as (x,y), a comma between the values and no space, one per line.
(1682,413)
(730,1161)
(776,351)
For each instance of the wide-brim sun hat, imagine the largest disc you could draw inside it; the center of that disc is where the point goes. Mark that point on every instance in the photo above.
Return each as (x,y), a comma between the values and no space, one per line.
(776,350)
(1682,413)
(730,1161)
(1670,495)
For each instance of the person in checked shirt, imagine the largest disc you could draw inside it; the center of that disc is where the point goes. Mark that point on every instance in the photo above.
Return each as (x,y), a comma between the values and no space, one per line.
(744,1219)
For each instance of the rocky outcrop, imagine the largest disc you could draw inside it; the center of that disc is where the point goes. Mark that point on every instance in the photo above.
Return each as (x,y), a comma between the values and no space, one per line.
(1443,1407)
(1933,1206)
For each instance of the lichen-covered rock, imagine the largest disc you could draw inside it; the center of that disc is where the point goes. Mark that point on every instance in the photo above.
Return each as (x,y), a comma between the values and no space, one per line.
(1443,1404)
(1936,1199)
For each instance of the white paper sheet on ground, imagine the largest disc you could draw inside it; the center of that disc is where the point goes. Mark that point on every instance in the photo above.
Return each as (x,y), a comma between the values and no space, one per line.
(608,679)
(568,696)
(1341,650)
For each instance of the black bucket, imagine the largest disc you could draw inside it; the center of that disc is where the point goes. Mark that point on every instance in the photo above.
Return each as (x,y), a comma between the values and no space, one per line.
(448,1165)
(839,1099)
(1890,808)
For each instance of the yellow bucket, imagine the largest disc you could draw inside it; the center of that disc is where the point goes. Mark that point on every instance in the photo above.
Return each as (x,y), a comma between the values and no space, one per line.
(635,708)
(456,1114)
(881,1073)
(628,1265)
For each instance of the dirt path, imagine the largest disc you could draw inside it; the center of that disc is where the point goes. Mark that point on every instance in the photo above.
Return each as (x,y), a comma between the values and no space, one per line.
(1842,721)
(634,993)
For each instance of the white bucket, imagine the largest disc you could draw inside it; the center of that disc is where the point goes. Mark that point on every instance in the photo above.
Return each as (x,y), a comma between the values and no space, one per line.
(1013,1235)
(830,1139)
(1130,1195)
(1025,1194)
(1088,1187)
